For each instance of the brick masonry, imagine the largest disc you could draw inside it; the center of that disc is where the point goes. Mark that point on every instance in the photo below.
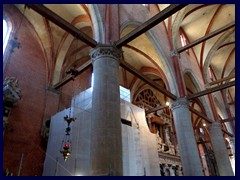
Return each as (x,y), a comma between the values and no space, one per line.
(23,133)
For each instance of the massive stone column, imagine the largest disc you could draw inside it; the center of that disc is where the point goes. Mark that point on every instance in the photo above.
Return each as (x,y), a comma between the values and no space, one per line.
(186,140)
(106,142)
(220,150)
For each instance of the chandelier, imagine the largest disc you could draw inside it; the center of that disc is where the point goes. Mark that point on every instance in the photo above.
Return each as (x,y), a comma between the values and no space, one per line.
(66,147)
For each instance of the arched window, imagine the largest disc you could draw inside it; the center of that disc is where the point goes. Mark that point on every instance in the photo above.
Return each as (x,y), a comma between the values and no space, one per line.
(6,34)
(183,38)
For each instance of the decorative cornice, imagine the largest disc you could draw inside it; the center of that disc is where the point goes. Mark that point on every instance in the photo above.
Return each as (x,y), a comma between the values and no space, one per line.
(105,51)
(170,160)
(179,103)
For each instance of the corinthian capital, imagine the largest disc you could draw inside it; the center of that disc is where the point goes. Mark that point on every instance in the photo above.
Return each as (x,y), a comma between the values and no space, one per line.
(179,103)
(107,51)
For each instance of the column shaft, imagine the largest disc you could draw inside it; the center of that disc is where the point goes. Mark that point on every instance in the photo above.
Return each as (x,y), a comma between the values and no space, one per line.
(106,140)
(186,140)
(220,150)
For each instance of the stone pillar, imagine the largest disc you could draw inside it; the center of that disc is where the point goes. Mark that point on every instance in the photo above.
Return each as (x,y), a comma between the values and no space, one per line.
(220,150)
(106,140)
(188,150)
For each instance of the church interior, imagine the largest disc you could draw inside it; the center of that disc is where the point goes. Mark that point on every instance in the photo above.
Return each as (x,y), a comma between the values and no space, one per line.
(118,89)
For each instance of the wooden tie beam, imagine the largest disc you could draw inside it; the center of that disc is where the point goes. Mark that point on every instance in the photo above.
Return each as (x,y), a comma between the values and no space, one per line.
(135,72)
(155,109)
(228,120)
(223,79)
(70,77)
(228,133)
(48,14)
(161,16)
(208,36)
(200,114)
(211,90)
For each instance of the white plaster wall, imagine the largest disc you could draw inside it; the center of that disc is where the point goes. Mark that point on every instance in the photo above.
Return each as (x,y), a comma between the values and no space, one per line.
(54,163)
(139,146)
(140,157)
(78,162)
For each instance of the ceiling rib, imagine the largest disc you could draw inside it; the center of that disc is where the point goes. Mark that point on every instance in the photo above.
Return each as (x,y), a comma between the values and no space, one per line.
(227,62)
(208,30)
(51,16)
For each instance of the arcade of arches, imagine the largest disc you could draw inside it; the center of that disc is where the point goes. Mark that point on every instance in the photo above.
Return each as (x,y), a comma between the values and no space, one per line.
(174,114)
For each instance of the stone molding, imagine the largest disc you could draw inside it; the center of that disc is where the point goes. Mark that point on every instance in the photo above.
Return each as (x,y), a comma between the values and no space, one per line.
(105,51)
(179,103)
(170,161)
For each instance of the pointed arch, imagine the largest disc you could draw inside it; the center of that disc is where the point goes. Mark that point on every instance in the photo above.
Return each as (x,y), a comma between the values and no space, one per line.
(165,66)
(212,51)
(204,100)
(98,33)
(98,30)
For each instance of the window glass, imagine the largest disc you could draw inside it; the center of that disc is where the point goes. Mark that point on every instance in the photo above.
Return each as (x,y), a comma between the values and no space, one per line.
(6,33)
(124,94)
